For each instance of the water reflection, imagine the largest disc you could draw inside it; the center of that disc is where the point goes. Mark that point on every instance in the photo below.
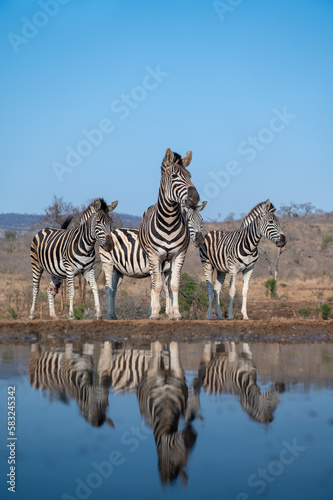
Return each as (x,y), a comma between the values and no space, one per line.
(155,374)
(68,375)
(224,370)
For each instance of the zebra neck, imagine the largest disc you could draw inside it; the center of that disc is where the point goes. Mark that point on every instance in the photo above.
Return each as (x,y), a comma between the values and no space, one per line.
(167,210)
(89,235)
(252,232)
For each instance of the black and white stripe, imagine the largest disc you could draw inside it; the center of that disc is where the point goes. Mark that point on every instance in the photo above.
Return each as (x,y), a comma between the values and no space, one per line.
(235,251)
(68,375)
(224,371)
(67,253)
(164,233)
(163,398)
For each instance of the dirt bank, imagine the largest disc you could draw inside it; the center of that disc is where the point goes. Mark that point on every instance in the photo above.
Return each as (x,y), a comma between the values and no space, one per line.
(136,330)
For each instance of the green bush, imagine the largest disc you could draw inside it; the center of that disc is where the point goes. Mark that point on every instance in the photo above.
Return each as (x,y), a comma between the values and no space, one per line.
(79,311)
(193,300)
(327,238)
(12,313)
(325,311)
(271,287)
(304,311)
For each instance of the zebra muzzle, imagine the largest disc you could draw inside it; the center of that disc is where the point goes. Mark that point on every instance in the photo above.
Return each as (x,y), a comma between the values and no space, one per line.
(192,197)
(199,240)
(108,245)
(282,241)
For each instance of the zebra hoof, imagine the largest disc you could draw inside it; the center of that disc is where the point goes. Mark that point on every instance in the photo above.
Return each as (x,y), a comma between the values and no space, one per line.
(31,318)
(220,318)
(155,316)
(177,318)
(112,317)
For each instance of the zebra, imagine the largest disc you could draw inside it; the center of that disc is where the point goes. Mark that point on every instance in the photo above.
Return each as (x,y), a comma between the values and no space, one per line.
(69,375)
(122,368)
(235,251)
(127,258)
(233,373)
(164,234)
(67,253)
(163,400)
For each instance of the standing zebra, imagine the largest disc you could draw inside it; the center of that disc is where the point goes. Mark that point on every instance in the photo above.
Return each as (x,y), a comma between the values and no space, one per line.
(70,375)
(164,234)
(127,258)
(233,373)
(67,253)
(235,251)
(163,400)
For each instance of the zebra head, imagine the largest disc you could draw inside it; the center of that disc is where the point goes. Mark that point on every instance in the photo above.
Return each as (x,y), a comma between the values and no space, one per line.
(101,223)
(270,226)
(194,221)
(176,180)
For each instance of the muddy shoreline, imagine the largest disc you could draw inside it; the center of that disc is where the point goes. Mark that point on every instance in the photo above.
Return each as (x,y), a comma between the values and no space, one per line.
(284,330)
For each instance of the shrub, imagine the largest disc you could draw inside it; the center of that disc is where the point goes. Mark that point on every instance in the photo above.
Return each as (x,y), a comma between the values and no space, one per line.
(327,238)
(12,313)
(271,287)
(79,311)
(193,300)
(304,311)
(325,311)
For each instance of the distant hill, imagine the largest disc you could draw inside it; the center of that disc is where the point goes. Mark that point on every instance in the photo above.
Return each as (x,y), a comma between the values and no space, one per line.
(22,223)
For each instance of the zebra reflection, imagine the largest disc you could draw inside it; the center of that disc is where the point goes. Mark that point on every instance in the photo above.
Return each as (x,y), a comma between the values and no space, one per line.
(69,375)
(164,398)
(226,371)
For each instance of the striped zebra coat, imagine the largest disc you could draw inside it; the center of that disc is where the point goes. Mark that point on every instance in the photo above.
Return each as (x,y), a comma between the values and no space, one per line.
(235,251)
(164,234)
(224,371)
(127,258)
(69,375)
(65,253)
(163,400)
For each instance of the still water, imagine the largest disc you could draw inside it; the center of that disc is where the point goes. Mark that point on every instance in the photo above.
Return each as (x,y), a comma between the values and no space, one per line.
(111,420)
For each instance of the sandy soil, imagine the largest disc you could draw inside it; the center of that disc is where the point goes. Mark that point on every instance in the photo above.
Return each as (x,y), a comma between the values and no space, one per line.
(283,330)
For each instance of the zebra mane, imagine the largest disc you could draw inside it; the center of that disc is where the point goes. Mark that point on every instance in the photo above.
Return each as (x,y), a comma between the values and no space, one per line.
(256,211)
(177,160)
(91,207)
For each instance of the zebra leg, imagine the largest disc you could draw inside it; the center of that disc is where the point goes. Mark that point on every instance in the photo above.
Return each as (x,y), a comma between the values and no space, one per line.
(51,293)
(108,269)
(157,285)
(168,295)
(176,269)
(247,273)
(208,270)
(36,276)
(217,289)
(71,294)
(116,280)
(232,293)
(90,278)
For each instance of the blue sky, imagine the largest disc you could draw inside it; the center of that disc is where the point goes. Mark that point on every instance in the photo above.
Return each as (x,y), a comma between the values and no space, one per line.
(94,92)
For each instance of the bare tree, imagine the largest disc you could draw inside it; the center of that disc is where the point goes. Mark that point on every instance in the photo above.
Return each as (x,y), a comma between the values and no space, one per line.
(272,261)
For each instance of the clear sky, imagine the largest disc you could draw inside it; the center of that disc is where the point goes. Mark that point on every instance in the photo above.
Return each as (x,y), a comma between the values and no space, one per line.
(93,92)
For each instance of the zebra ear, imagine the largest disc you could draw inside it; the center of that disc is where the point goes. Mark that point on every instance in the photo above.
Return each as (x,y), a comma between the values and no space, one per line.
(97,204)
(112,206)
(186,160)
(269,206)
(201,206)
(168,157)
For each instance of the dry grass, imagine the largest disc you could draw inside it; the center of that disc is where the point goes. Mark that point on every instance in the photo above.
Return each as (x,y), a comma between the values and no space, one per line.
(305,277)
